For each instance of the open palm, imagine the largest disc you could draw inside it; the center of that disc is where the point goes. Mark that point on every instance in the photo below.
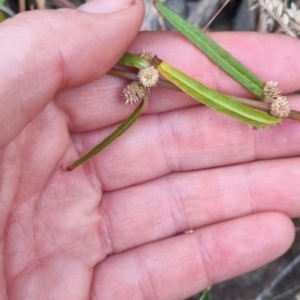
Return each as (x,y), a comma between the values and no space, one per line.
(115,227)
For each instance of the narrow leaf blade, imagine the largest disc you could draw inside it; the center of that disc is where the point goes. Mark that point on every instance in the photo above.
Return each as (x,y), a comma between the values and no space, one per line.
(213,99)
(215,52)
(118,132)
(131,60)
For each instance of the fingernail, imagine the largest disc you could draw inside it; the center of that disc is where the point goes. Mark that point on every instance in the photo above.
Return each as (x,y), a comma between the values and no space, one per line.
(105,6)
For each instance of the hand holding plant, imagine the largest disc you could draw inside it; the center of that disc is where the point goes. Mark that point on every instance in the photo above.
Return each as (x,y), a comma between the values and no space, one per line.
(115,227)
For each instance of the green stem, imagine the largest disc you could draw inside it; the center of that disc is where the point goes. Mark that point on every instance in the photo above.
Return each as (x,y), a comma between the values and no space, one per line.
(263,106)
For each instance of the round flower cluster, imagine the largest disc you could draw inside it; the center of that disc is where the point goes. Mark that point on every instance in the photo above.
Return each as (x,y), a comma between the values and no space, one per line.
(280,108)
(147,55)
(134,92)
(271,91)
(279,105)
(147,78)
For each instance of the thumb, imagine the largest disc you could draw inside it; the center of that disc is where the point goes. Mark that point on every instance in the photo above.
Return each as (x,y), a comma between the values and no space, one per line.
(43,52)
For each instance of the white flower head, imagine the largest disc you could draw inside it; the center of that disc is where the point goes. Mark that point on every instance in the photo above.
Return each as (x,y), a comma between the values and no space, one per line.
(147,55)
(271,92)
(280,108)
(148,77)
(134,92)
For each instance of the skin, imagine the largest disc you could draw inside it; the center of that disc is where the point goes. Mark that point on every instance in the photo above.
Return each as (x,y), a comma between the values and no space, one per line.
(114,228)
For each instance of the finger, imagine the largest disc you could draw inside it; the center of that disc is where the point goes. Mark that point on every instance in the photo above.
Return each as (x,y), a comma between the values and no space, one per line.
(60,49)
(99,103)
(183,265)
(183,140)
(179,202)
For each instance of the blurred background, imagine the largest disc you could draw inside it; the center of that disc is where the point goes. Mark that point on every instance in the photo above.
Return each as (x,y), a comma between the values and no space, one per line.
(281,278)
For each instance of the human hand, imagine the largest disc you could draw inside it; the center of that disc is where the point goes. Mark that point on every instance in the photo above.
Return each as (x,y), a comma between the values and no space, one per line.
(114,228)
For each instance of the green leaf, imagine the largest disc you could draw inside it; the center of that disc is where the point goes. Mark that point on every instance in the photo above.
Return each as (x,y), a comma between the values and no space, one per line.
(214,99)
(131,60)
(2,2)
(119,131)
(205,295)
(216,53)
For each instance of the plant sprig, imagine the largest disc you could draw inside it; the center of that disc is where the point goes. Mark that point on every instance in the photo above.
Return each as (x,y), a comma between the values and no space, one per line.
(258,105)
(243,110)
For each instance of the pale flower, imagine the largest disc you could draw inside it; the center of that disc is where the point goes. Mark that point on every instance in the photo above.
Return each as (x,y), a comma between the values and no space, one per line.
(280,108)
(148,77)
(134,92)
